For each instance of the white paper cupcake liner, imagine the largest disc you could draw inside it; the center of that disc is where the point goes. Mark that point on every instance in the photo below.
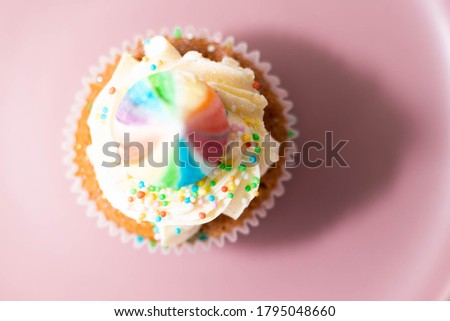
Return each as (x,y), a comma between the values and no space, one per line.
(126,237)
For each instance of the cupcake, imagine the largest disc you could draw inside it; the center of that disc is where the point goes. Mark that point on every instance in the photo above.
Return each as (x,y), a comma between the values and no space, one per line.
(176,140)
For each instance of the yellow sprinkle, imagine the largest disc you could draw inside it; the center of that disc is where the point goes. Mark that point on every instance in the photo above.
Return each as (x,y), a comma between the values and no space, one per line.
(142,217)
(246,137)
(201,183)
(231,187)
(153,196)
(232,178)
(145,59)
(202,192)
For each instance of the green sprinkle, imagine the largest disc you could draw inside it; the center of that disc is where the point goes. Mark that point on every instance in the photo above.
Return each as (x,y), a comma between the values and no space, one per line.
(213,183)
(133,191)
(194,194)
(157,188)
(291,133)
(228,168)
(152,243)
(255,180)
(258,150)
(177,33)
(162,197)
(151,188)
(254,185)
(242,167)
(255,136)
(165,203)
(248,188)
(222,166)
(230,195)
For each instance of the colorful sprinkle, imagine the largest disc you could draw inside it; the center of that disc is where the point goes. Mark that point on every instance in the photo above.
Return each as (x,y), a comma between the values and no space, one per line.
(165,203)
(248,188)
(187,200)
(151,188)
(158,219)
(252,159)
(156,229)
(177,33)
(258,150)
(202,215)
(242,167)
(141,184)
(256,85)
(195,188)
(213,183)
(224,189)
(177,230)
(133,191)
(255,136)
(140,239)
(230,195)
(105,110)
(103,116)
(162,197)
(163,213)
(291,133)
(130,199)
(211,198)
(146,41)
(140,194)
(152,67)
(112,90)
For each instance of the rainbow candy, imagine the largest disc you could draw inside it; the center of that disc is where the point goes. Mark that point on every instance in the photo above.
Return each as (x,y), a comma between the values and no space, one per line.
(165,104)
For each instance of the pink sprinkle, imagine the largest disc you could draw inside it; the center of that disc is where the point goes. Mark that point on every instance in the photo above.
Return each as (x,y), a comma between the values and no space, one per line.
(200,201)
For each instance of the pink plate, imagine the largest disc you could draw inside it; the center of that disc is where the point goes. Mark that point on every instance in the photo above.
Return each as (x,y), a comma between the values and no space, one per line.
(374,72)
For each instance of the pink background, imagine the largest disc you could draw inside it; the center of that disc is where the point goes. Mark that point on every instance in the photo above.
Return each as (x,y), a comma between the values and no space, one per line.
(374,72)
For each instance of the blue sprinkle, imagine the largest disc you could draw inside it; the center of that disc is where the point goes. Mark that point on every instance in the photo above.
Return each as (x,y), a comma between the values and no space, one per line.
(152,67)
(158,218)
(156,229)
(195,188)
(253,159)
(203,237)
(177,230)
(187,200)
(103,116)
(147,41)
(211,198)
(105,109)
(140,239)
(141,184)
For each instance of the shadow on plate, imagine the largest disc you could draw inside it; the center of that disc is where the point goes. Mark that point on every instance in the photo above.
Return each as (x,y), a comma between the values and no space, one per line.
(330,95)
